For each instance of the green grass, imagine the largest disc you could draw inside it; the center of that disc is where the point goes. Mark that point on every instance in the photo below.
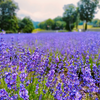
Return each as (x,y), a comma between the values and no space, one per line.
(88,26)
(37,30)
(62,31)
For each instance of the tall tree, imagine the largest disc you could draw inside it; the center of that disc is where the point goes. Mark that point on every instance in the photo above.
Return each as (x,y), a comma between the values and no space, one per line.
(87,9)
(8,20)
(70,16)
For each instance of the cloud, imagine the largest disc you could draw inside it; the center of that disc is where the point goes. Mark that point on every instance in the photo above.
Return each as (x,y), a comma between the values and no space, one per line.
(98,14)
(40,10)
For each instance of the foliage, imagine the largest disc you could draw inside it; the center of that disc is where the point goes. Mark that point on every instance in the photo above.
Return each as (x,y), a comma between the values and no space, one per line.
(70,16)
(96,22)
(59,18)
(42,25)
(8,20)
(10,31)
(59,24)
(49,23)
(38,30)
(26,25)
(55,24)
(87,9)
(20,25)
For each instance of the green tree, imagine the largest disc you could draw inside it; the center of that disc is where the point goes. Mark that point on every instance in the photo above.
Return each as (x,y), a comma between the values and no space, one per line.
(49,24)
(42,25)
(96,22)
(27,25)
(87,9)
(52,24)
(59,23)
(63,25)
(70,16)
(58,18)
(8,20)
(20,25)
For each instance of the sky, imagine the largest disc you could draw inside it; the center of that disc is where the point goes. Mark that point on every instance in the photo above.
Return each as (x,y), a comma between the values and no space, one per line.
(40,10)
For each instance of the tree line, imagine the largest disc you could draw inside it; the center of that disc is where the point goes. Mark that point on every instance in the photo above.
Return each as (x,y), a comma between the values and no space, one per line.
(85,11)
(72,16)
(53,24)
(8,20)
(96,22)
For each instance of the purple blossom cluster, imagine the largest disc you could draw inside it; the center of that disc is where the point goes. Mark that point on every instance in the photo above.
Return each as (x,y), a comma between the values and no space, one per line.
(64,65)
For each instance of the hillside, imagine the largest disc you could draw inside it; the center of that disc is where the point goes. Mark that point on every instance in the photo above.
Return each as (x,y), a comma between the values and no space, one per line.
(36,24)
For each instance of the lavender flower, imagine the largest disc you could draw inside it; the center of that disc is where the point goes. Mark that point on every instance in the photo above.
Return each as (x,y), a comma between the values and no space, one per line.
(23,92)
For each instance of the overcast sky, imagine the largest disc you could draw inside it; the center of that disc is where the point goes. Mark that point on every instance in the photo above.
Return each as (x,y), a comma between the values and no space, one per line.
(40,10)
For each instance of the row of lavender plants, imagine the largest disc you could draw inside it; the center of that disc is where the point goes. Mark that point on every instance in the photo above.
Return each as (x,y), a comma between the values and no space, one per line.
(50,66)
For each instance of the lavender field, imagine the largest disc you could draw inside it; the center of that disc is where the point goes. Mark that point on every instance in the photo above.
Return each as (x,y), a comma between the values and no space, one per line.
(50,66)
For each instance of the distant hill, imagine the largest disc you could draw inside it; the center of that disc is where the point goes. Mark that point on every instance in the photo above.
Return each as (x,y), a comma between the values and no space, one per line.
(36,24)
(89,23)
